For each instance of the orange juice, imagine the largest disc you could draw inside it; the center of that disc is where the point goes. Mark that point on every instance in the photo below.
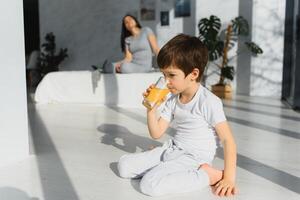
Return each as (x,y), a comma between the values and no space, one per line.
(155,95)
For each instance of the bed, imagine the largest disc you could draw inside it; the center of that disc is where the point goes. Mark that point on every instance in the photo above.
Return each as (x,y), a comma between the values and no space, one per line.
(92,87)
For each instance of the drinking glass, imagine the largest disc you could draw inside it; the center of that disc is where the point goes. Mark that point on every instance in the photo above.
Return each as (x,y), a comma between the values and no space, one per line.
(156,94)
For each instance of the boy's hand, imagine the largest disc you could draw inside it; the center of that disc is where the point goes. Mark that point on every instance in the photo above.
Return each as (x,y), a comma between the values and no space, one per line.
(225,187)
(158,103)
(146,93)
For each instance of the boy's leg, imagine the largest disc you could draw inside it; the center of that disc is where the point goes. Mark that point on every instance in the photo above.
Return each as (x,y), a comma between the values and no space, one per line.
(175,176)
(135,165)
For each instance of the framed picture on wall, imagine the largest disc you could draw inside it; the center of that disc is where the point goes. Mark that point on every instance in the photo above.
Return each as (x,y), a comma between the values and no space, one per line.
(182,8)
(147,9)
(164,18)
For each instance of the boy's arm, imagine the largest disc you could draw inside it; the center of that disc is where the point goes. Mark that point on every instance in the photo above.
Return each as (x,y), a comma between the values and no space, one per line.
(227,185)
(156,127)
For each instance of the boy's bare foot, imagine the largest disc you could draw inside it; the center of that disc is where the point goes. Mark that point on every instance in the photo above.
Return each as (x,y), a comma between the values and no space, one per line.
(214,175)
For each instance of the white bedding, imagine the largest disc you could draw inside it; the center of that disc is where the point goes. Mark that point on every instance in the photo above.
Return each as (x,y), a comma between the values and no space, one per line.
(94,88)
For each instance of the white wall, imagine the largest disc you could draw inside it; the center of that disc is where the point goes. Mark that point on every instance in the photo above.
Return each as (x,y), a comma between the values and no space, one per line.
(91,29)
(13,104)
(177,25)
(268,32)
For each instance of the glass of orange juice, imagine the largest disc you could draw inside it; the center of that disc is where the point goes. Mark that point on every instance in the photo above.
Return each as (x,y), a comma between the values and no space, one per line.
(157,93)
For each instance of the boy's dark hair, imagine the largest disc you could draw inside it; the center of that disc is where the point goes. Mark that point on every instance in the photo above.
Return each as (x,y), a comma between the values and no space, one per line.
(184,52)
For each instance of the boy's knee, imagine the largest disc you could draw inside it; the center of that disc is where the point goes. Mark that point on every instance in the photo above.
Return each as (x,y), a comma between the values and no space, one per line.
(149,187)
(123,167)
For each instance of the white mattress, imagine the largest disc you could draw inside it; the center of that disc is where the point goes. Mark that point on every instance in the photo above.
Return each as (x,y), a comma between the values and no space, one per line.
(94,88)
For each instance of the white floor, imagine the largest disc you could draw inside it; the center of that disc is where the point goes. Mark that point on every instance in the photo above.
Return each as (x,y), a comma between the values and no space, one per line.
(76,147)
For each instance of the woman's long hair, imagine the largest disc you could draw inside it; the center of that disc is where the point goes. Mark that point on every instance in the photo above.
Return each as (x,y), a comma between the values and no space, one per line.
(125,33)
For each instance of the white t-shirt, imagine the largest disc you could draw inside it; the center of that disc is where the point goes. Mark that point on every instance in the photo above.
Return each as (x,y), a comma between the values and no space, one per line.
(194,122)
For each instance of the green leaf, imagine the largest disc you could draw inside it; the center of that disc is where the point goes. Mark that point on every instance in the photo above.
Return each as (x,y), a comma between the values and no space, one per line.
(240,26)
(208,33)
(254,48)
(228,72)
(209,27)
(215,49)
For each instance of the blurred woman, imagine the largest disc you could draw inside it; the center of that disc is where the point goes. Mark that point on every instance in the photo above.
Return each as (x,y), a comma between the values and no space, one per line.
(137,44)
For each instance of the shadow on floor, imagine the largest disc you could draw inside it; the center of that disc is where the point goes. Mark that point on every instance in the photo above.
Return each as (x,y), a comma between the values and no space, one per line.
(272,174)
(55,181)
(256,111)
(264,127)
(114,168)
(121,138)
(138,117)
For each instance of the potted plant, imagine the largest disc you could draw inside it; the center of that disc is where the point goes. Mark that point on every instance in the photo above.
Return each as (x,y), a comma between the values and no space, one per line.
(210,34)
(49,60)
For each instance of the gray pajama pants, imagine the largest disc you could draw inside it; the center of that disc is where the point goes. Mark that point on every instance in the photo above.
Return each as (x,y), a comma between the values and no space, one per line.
(164,170)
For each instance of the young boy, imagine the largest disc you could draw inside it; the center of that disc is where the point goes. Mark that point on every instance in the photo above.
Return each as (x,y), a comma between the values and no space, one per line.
(183,163)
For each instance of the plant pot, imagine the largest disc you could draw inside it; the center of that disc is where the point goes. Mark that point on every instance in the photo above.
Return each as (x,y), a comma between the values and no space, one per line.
(222,91)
